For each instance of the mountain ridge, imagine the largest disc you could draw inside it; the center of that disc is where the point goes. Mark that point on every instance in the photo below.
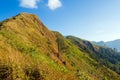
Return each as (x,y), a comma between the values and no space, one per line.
(112,44)
(30,51)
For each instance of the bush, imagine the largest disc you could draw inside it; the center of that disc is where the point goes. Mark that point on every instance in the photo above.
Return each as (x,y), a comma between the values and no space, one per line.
(6,72)
(33,74)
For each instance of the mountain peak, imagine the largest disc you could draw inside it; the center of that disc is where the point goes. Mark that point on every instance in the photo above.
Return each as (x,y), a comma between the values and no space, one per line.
(22,17)
(30,28)
(27,14)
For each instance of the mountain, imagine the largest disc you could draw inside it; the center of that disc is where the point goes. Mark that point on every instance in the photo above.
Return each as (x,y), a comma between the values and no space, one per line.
(30,51)
(115,44)
(101,43)
(104,55)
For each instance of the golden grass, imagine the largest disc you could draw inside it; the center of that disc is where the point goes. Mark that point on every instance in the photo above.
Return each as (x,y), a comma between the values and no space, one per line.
(29,51)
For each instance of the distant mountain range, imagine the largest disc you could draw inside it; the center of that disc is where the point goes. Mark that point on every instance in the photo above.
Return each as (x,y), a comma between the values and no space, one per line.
(115,44)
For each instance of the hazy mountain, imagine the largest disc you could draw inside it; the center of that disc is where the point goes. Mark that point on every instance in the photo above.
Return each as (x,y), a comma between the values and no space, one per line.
(30,51)
(115,44)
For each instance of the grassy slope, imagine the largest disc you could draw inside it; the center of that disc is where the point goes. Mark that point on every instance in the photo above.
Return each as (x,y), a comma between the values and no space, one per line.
(82,64)
(103,55)
(29,51)
(106,56)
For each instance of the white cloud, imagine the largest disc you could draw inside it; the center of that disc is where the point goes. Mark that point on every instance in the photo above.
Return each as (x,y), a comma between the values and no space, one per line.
(54,4)
(29,3)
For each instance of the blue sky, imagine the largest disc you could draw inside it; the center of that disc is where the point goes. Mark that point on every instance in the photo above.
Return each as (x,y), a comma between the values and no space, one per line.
(93,20)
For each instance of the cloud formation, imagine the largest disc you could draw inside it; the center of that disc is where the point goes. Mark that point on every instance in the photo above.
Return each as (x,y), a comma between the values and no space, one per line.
(54,4)
(29,3)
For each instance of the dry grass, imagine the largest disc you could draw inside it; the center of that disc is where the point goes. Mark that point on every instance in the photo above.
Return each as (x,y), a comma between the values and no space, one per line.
(29,51)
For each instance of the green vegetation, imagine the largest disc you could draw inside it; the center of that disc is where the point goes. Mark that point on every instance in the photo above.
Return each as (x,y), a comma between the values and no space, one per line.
(29,51)
(103,55)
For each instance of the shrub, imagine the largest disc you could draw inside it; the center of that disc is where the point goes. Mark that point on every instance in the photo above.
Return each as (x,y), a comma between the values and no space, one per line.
(5,72)
(33,74)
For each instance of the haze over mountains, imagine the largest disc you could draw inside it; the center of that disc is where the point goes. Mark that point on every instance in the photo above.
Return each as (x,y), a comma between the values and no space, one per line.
(115,44)
(30,51)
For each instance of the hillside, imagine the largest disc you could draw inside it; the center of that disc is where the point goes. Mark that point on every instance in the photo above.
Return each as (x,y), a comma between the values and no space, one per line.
(30,51)
(104,55)
(115,44)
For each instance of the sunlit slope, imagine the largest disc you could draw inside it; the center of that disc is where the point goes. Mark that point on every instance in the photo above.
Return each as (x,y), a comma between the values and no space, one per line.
(29,51)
